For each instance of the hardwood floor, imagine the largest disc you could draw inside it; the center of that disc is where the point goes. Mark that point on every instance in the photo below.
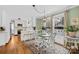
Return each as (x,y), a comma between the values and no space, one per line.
(15,46)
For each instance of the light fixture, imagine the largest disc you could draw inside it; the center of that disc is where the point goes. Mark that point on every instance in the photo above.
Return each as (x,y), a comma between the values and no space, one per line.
(43,12)
(38,11)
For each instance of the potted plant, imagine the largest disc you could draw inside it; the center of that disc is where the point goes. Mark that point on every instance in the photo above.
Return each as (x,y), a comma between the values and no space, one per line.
(72,30)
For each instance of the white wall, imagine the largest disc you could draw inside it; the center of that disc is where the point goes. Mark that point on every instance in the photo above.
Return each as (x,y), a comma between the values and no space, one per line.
(4,36)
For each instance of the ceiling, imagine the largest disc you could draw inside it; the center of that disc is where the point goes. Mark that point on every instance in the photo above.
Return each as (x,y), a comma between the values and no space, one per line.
(28,11)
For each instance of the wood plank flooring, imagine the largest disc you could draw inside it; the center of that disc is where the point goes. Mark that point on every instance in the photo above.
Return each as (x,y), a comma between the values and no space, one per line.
(15,46)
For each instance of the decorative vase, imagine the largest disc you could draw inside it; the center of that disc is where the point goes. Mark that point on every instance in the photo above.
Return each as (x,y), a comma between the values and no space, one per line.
(72,34)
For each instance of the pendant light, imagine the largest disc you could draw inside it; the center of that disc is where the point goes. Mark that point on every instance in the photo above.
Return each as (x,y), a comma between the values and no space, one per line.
(38,11)
(41,12)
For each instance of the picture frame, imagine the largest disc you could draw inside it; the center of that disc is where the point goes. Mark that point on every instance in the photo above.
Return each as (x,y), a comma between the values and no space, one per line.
(75,21)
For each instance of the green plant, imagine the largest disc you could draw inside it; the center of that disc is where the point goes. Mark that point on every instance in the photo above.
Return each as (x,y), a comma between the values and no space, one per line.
(72,29)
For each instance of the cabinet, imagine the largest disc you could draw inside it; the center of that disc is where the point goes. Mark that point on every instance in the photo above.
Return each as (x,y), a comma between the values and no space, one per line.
(23,28)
